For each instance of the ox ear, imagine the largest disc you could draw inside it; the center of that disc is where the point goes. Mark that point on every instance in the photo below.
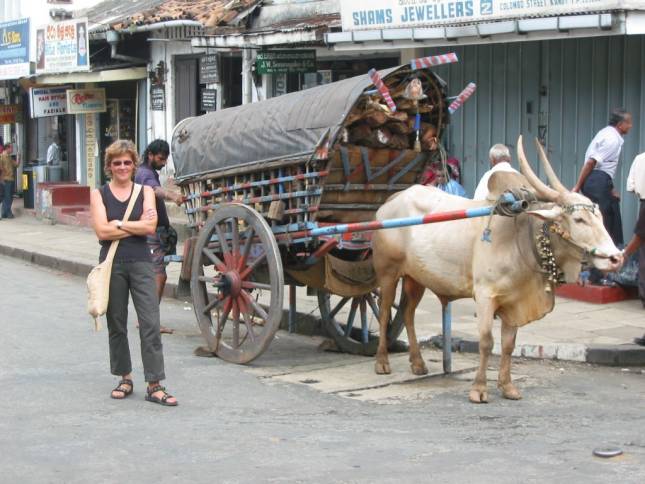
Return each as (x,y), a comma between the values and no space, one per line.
(547,214)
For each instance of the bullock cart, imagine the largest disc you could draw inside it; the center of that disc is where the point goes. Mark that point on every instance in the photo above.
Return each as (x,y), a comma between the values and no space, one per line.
(284,191)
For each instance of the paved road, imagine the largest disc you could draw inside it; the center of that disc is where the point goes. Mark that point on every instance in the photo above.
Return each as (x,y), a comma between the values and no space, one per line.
(298,414)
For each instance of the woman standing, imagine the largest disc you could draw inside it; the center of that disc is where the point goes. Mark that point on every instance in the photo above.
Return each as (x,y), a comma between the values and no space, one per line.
(132,271)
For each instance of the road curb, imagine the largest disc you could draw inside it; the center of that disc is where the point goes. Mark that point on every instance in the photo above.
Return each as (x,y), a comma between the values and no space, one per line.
(75,268)
(606,355)
(310,325)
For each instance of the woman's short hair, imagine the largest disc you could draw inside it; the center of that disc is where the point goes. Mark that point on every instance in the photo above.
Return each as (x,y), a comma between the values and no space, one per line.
(118,148)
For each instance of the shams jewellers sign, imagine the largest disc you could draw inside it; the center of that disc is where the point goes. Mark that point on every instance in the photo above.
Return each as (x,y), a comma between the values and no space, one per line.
(380,14)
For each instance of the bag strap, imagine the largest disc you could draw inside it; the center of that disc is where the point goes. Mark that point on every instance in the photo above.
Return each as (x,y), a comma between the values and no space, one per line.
(133,198)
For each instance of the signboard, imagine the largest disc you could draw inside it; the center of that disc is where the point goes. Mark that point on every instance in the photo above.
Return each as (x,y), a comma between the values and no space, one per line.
(82,101)
(47,101)
(62,47)
(10,113)
(157,98)
(384,14)
(209,100)
(90,149)
(14,49)
(208,69)
(285,61)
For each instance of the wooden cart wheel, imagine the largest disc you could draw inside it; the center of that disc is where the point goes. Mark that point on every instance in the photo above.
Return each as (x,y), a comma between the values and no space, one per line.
(353,321)
(237,283)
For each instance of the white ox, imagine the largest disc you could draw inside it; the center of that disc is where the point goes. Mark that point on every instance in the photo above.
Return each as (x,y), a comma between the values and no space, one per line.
(504,276)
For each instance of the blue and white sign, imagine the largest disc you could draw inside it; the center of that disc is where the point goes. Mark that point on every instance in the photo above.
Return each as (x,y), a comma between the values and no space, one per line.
(14,49)
(384,14)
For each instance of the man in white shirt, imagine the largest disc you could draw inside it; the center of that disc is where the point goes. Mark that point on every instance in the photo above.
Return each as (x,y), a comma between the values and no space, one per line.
(500,160)
(636,184)
(53,153)
(596,177)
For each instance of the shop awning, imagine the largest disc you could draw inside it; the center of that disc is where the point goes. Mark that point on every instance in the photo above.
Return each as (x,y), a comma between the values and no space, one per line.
(125,74)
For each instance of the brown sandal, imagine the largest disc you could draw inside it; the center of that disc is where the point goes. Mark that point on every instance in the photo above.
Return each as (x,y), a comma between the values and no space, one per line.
(121,387)
(161,401)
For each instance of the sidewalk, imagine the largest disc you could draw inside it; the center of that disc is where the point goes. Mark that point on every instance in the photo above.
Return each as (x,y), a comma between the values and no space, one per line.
(574,331)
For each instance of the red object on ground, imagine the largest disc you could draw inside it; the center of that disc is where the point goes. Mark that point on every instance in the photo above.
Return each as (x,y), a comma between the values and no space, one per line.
(596,294)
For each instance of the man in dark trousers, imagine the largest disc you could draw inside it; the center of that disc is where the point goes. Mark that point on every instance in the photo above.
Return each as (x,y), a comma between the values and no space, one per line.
(153,160)
(597,174)
(633,246)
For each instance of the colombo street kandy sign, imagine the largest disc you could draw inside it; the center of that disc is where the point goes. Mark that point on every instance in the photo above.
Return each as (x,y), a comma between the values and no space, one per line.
(383,14)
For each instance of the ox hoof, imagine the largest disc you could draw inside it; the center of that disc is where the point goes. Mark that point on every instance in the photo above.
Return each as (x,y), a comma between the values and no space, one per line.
(510,392)
(478,396)
(383,368)
(421,369)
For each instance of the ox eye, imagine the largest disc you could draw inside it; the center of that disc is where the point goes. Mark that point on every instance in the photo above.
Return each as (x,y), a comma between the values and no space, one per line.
(579,220)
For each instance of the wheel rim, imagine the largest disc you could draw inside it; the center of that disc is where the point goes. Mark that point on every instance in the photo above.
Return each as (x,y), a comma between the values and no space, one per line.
(237,285)
(353,321)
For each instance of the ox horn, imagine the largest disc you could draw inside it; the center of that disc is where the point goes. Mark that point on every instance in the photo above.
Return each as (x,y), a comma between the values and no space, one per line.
(543,191)
(548,169)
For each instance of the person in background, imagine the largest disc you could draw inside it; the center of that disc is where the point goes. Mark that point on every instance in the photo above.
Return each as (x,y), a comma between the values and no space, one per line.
(53,152)
(636,184)
(596,177)
(445,177)
(155,158)
(132,272)
(500,160)
(7,167)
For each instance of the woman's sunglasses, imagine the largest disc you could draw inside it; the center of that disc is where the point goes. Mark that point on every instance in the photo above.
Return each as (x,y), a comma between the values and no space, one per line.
(122,162)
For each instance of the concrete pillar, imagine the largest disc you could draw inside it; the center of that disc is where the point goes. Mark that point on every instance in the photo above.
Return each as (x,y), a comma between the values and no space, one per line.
(408,54)
(247,76)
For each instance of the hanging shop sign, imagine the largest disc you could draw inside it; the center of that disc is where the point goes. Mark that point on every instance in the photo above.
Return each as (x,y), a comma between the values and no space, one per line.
(10,113)
(208,69)
(285,62)
(62,47)
(383,14)
(82,101)
(91,149)
(14,49)
(209,100)
(157,98)
(47,101)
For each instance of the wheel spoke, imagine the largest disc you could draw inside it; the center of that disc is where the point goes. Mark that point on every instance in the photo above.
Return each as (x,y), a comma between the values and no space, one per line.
(338,307)
(245,273)
(373,306)
(223,245)
(236,325)
(214,259)
(215,281)
(247,247)
(224,317)
(249,326)
(350,318)
(235,239)
(216,302)
(256,307)
(255,285)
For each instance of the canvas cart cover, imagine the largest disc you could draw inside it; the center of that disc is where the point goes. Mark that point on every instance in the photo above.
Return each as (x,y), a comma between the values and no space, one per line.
(283,127)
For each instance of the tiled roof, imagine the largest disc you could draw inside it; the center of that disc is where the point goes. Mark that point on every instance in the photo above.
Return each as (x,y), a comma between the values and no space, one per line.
(123,14)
